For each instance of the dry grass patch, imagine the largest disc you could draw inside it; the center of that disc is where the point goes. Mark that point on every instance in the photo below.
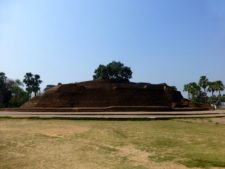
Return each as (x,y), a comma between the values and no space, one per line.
(68,144)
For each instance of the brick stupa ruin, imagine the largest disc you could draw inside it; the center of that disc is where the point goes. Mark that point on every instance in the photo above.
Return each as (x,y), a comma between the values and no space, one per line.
(103,95)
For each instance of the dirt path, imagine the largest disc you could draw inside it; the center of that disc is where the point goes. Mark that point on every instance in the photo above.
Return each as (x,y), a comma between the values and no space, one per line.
(115,115)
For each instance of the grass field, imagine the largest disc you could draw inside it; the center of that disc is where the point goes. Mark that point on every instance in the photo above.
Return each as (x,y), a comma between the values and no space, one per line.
(77,144)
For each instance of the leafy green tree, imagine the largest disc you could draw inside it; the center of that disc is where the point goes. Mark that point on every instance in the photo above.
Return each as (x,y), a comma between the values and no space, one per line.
(2,78)
(36,84)
(213,99)
(223,98)
(196,94)
(19,96)
(101,73)
(115,71)
(28,80)
(193,90)
(5,93)
(32,83)
(188,90)
(203,82)
(201,97)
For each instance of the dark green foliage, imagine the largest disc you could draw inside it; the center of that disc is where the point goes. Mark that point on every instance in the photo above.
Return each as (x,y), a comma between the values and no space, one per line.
(11,92)
(28,80)
(2,79)
(222,98)
(5,96)
(219,86)
(201,97)
(19,96)
(115,71)
(32,83)
(193,90)
(196,94)
(213,99)
(5,93)
(216,86)
(212,87)
(19,99)
(101,73)
(36,84)
(203,82)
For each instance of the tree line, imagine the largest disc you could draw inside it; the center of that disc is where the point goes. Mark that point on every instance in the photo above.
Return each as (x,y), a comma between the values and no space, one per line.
(199,91)
(12,93)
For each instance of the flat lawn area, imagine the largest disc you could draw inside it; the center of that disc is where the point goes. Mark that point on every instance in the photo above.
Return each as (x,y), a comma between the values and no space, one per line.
(79,144)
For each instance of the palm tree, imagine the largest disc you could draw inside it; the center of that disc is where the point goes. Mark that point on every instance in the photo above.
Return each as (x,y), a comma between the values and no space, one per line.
(219,86)
(203,82)
(193,89)
(28,80)
(212,87)
(36,84)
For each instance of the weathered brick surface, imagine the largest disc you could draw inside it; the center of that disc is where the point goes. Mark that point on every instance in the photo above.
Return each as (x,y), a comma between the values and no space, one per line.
(102,93)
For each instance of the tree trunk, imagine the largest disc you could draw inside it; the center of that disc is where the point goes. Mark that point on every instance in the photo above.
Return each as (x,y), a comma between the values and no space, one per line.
(188,95)
(29,95)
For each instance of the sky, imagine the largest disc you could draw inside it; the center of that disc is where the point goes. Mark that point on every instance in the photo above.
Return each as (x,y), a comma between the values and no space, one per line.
(171,41)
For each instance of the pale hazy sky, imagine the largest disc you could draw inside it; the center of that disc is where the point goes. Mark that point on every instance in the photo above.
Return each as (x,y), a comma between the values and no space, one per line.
(172,41)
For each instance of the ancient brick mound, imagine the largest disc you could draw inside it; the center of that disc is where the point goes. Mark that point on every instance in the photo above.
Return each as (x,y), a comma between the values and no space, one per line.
(102,94)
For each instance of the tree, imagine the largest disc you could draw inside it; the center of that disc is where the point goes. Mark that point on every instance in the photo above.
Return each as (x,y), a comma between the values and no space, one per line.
(115,71)
(101,73)
(187,89)
(219,86)
(12,93)
(32,83)
(36,84)
(193,89)
(19,96)
(5,93)
(28,80)
(200,96)
(212,87)
(203,82)
(223,98)
(2,78)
